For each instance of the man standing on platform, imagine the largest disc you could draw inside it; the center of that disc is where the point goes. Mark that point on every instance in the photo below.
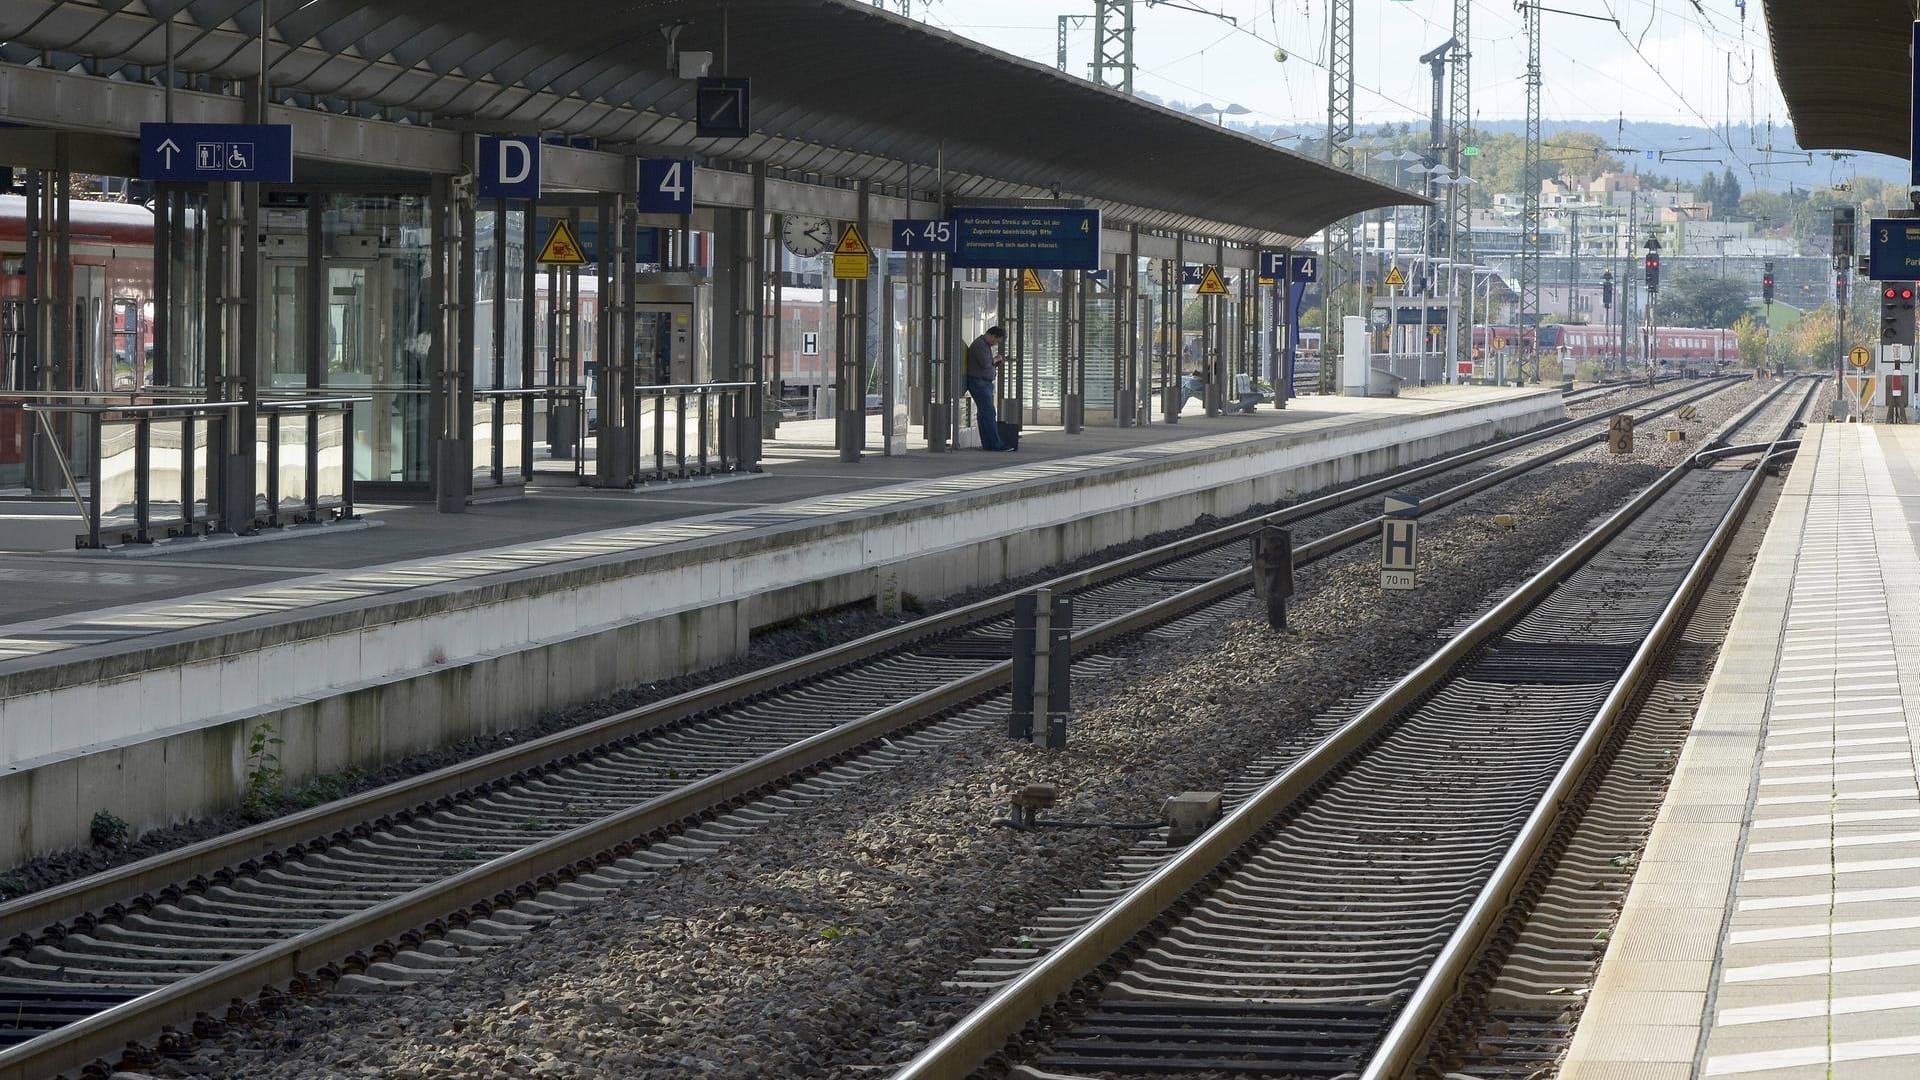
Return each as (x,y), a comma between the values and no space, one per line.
(981,365)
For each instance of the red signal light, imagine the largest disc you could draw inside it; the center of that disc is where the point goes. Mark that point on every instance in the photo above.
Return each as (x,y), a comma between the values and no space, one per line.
(1889,294)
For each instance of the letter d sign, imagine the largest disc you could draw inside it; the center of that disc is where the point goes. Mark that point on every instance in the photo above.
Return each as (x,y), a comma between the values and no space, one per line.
(509,168)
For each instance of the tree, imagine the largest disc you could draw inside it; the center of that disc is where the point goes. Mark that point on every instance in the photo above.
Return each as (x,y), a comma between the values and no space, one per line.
(1703,301)
(1752,340)
(1709,192)
(1730,187)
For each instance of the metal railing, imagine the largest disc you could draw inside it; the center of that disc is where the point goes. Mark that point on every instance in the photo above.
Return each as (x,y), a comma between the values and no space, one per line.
(720,435)
(503,426)
(153,471)
(149,467)
(303,459)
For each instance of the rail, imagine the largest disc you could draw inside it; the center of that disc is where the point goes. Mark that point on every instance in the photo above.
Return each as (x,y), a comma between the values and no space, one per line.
(1412,1028)
(984,1031)
(212,989)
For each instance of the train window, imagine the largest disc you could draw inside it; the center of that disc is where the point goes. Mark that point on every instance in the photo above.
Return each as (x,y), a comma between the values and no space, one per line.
(126,342)
(85,311)
(13,344)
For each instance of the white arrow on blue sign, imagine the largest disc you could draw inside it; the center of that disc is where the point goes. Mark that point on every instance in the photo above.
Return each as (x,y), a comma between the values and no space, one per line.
(922,234)
(222,153)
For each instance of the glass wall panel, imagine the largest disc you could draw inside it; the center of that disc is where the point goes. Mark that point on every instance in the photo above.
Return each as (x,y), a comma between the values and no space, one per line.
(379,317)
(1098,334)
(116,481)
(166,455)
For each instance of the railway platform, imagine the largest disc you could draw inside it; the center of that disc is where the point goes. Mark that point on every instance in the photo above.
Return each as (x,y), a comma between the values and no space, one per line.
(1773,926)
(134,683)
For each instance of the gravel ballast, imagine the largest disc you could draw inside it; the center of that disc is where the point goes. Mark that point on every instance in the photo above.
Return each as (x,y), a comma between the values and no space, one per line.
(767,648)
(818,947)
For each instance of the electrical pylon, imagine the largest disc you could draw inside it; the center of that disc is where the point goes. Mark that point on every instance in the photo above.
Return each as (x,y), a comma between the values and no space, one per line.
(1113,44)
(1339,257)
(1530,205)
(1460,195)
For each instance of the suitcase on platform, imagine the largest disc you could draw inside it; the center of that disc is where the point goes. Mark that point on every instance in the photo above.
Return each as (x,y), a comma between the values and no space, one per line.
(1009,435)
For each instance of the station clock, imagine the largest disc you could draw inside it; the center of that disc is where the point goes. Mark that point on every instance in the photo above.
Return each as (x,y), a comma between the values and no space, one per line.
(806,237)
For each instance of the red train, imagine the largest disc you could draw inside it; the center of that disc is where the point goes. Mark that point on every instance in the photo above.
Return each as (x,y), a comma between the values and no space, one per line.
(111,290)
(112,293)
(1584,342)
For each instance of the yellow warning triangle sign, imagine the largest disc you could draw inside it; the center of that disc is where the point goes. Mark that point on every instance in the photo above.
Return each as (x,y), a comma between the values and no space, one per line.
(562,247)
(1211,283)
(852,243)
(1030,282)
(1395,277)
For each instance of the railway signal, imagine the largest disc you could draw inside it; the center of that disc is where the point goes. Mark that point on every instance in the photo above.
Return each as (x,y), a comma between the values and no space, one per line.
(1606,290)
(1766,284)
(1896,313)
(1653,267)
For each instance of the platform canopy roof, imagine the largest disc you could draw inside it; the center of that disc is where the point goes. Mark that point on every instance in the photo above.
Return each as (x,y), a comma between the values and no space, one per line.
(1843,68)
(840,89)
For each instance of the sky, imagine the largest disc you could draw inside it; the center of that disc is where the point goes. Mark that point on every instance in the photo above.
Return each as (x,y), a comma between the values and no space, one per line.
(1666,60)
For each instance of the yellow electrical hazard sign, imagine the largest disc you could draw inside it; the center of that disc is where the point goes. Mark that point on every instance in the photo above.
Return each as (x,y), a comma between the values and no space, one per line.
(852,258)
(1860,357)
(1211,283)
(562,247)
(1030,282)
(1395,277)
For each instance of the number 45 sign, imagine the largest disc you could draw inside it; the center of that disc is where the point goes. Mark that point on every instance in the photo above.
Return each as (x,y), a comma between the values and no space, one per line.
(917,234)
(666,187)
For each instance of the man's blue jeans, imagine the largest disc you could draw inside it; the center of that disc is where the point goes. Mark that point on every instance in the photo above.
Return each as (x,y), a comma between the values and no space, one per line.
(982,391)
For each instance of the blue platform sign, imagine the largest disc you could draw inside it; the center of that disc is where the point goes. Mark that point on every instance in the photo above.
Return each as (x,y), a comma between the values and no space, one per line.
(1913,113)
(1026,238)
(666,186)
(1893,249)
(1271,265)
(922,234)
(219,153)
(508,167)
(1306,268)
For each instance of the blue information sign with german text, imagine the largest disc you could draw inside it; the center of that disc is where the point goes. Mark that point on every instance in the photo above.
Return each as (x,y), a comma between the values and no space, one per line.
(1026,238)
(1893,249)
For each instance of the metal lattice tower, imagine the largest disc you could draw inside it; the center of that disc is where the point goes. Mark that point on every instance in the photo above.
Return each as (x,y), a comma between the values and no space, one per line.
(1530,214)
(1113,44)
(1339,260)
(1459,195)
(1066,23)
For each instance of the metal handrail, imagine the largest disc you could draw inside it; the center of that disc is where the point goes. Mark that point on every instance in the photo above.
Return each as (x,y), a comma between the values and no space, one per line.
(529,391)
(60,458)
(308,403)
(183,409)
(689,388)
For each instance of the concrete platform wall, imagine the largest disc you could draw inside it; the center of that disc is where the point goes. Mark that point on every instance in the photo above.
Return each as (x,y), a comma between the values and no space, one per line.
(400,675)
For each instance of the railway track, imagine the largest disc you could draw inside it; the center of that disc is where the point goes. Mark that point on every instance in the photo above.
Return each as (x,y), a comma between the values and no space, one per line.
(392,884)
(1324,925)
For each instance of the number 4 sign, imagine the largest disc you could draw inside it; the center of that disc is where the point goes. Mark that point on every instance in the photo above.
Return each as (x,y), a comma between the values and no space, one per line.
(666,187)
